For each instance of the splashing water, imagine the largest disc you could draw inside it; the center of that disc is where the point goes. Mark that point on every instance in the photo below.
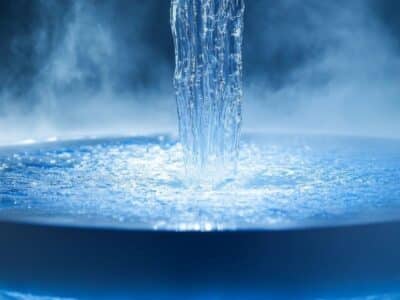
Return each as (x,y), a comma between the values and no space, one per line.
(282,181)
(208,82)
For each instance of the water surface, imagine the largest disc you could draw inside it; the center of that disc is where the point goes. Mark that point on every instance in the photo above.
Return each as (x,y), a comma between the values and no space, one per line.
(283,181)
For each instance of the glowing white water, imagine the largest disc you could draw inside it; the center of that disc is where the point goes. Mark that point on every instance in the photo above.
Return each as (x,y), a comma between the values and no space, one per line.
(208,81)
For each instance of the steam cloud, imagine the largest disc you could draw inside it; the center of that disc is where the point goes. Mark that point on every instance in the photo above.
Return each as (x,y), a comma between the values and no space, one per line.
(343,74)
(93,76)
(105,67)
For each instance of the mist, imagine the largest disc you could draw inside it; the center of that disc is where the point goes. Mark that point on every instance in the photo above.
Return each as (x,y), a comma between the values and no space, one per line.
(338,69)
(94,74)
(83,68)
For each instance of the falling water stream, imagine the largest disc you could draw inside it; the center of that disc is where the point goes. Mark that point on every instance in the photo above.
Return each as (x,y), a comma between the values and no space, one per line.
(208,82)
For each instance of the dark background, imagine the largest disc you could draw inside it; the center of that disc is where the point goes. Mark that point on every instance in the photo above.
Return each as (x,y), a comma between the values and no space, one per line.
(105,67)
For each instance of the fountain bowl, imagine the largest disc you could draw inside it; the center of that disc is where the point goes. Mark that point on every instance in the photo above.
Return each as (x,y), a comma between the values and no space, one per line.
(111,218)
